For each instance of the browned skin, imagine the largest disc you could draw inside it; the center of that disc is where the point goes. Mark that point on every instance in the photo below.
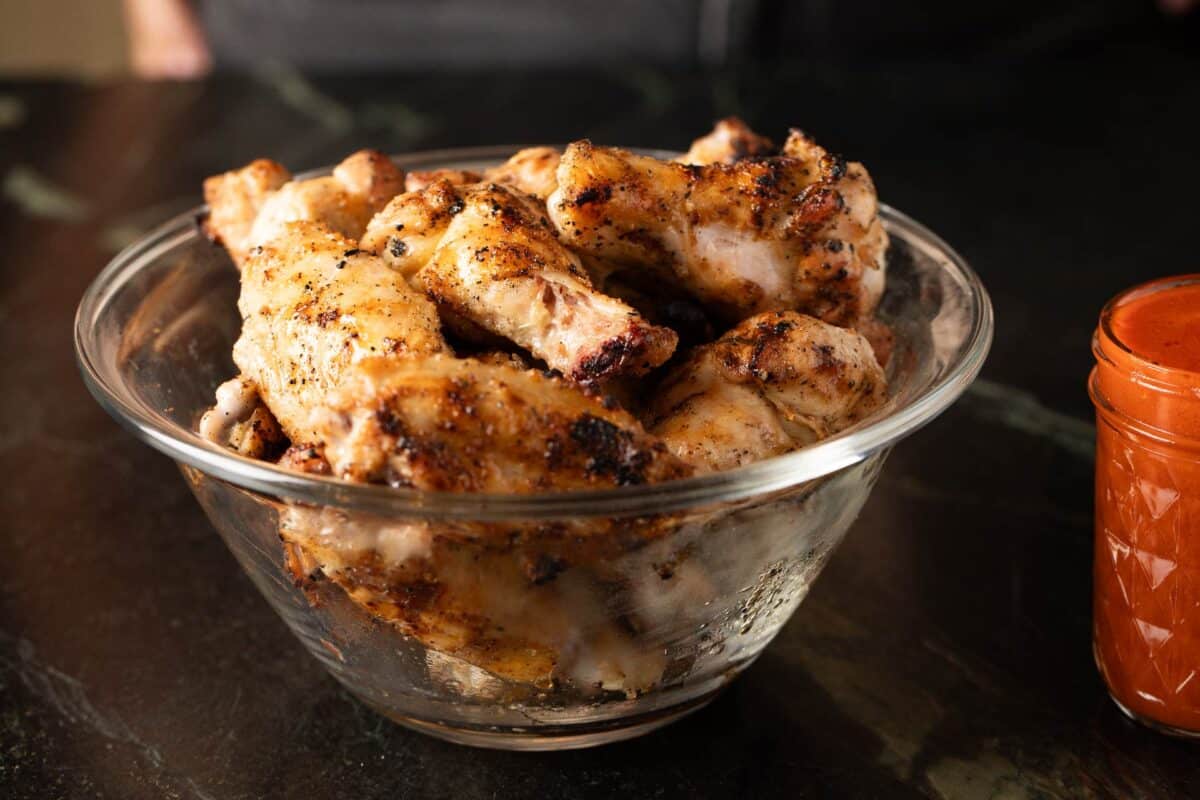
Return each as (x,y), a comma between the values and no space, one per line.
(730,140)
(799,230)
(234,199)
(306,458)
(250,206)
(776,382)
(488,254)
(416,181)
(371,175)
(447,424)
(531,171)
(313,304)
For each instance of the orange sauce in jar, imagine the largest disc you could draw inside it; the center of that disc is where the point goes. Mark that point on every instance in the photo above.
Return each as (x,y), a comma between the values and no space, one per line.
(1146,612)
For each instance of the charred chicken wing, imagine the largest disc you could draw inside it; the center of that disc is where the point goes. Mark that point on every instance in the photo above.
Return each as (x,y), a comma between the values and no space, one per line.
(776,382)
(796,231)
(488,254)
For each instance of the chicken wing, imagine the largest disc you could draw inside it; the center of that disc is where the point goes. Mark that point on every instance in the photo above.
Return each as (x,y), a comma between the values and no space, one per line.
(532,171)
(730,140)
(775,383)
(447,424)
(234,199)
(242,422)
(248,207)
(796,231)
(312,305)
(416,181)
(488,254)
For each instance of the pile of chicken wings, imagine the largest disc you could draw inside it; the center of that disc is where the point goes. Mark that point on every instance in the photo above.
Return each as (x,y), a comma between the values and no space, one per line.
(579,319)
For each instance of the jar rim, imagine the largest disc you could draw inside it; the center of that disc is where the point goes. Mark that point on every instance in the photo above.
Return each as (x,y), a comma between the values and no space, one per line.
(1157,375)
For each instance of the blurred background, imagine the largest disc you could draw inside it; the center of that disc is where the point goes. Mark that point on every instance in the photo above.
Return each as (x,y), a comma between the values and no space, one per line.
(190,38)
(1052,142)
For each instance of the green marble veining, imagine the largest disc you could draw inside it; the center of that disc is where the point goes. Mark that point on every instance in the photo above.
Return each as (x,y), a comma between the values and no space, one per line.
(38,197)
(1022,411)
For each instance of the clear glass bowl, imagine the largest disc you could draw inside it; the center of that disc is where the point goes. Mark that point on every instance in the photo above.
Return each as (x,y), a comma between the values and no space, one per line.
(523,622)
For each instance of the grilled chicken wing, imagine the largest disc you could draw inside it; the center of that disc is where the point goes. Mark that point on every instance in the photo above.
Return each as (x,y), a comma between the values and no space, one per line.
(488,254)
(248,207)
(313,304)
(416,181)
(448,424)
(242,422)
(234,200)
(532,171)
(797,231)
(776,382)
(730,140)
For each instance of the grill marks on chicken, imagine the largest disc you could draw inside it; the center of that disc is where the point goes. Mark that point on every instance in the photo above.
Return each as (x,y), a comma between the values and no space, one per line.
(489,255)
(250,206)
(775,383)
(795,231)
(312,305)
(446,424)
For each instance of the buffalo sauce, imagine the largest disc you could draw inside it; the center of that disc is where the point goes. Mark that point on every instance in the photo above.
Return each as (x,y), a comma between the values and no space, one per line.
(1146,612)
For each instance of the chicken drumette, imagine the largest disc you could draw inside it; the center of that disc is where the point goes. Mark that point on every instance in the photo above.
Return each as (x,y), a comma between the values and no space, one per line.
(488,254)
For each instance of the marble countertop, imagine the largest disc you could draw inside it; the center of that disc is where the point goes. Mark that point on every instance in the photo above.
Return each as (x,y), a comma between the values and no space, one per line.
(945,652)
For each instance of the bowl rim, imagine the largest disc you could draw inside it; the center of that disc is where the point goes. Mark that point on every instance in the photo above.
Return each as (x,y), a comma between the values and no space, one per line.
(761,478)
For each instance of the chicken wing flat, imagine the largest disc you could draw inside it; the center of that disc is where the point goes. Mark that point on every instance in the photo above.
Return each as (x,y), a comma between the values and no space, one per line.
(796,231)
(776,382)
(248,207)
(312,304)
(447,424)
(730,140)
(498,263)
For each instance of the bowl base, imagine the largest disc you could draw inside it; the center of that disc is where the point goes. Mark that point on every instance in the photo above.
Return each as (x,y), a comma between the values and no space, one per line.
(562,737)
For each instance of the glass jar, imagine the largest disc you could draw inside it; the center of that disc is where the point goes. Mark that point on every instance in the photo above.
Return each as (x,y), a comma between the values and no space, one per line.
(1146,389)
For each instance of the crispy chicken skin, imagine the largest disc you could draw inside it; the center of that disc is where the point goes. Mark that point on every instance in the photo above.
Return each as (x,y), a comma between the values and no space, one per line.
(730,140)
(797,231)
(532,171)
(488,254)
(408,229)
(248,207)
(776,382)
(446,424)
(416,181)
(234,199)
(313,304)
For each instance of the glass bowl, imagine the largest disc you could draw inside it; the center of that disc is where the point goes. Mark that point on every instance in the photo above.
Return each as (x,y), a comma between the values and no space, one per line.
(523,622)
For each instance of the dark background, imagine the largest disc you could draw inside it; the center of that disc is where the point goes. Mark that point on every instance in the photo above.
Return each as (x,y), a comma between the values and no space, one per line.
(944,653)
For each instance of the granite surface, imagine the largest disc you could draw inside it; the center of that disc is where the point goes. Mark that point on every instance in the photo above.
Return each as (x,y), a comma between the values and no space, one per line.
(945,652)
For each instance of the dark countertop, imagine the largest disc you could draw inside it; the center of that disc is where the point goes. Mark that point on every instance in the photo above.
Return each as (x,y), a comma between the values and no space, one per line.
(945,652)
